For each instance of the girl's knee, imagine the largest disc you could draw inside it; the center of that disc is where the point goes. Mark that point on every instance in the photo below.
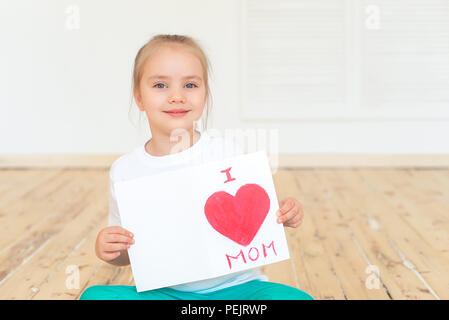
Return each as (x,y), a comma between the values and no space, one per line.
(290,293)
(297,294)
(122,292)
(92,293)
(294,294)
(278,291)
(108,292)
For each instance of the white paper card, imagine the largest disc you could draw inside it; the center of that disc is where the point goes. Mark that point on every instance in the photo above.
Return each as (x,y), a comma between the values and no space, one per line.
(202,222)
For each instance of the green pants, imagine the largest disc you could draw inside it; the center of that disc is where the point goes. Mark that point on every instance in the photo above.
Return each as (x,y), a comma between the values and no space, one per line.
(252,290)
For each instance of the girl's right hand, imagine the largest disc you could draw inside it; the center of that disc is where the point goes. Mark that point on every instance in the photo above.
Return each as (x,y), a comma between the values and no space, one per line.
(111,240)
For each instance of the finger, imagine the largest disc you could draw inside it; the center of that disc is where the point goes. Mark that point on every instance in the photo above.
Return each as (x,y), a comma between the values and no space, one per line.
(294,222)
(116,237)
(300,213)
(291,225)
(115,246)
(288,216)
(297,224)
(110,255)
(282,209)
(120,230)
(287,206)
(281,203)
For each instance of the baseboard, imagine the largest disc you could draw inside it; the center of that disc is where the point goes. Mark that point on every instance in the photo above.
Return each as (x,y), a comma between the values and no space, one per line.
(364,160)
(104,161)
(22,161)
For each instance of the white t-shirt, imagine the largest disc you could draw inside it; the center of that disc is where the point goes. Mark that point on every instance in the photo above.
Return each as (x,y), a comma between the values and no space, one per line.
(140,163)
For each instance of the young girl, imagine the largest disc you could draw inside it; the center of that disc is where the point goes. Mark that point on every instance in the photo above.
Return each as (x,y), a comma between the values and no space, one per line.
(170,84)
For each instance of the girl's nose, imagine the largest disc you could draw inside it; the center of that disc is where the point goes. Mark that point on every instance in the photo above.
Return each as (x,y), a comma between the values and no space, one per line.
(177,99)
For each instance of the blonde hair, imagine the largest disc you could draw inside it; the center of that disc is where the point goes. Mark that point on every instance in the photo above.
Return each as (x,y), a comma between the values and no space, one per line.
(160,40)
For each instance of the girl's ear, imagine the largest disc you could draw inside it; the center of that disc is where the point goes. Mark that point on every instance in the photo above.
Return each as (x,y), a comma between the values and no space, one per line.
(138,99)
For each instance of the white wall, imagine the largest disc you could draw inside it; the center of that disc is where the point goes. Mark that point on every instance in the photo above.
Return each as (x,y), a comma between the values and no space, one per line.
(68,91)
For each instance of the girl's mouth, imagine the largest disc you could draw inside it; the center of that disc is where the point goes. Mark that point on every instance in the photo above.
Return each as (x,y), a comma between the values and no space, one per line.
(177,114)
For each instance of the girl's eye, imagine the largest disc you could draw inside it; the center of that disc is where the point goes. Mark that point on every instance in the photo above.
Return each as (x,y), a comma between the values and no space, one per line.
(192,84)
(157,85)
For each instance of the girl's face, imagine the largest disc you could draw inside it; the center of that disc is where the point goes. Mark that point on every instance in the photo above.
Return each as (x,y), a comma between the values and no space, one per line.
(172,78)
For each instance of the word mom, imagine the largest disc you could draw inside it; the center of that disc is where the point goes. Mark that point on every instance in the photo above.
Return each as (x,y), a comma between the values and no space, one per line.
(253,254)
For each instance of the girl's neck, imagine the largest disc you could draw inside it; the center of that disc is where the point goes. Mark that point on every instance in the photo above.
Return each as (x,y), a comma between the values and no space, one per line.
(160,145)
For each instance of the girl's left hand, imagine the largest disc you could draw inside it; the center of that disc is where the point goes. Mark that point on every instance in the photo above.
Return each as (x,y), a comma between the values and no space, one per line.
(290,213)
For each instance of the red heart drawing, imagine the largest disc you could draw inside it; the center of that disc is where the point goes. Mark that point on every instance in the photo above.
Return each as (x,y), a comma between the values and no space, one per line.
(238,218)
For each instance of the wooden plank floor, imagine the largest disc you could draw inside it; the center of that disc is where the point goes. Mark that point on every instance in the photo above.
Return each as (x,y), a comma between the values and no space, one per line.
(367,233)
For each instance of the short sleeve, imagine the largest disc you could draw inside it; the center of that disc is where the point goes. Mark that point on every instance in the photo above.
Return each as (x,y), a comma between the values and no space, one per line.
(232,148)
(238,148)
(114,216)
